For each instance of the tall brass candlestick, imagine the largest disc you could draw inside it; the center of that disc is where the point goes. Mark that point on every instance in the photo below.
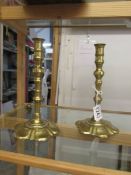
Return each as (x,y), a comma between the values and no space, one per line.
(37,129)
(100,128)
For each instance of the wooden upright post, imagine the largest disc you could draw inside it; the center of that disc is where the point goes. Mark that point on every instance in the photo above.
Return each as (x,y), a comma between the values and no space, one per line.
(55,61)
(21,66)
(20,69)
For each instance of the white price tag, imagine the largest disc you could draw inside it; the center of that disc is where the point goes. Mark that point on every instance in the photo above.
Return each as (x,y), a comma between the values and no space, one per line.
(97,112)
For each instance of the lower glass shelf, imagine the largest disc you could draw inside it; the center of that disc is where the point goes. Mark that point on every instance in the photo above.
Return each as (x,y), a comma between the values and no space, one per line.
(71,149)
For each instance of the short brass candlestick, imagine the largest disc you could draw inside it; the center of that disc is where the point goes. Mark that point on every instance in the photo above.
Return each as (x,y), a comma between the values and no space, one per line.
(37,129)
(101,128)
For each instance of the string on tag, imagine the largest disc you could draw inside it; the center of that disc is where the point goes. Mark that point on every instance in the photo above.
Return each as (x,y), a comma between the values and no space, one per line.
(97,91)
(97,109)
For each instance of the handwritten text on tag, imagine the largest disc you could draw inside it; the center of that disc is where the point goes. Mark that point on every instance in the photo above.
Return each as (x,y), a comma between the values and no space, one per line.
(97,112)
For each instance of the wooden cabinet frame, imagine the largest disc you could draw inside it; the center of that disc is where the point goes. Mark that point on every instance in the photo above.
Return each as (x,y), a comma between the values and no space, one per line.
(14,16)
(67,11)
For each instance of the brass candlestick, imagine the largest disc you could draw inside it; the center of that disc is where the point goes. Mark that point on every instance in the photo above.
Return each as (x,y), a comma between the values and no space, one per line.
(101,128)
(37,129)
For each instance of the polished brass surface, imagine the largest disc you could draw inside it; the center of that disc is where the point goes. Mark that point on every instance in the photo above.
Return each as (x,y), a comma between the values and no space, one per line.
(99,73)
(37,129)
(102,128)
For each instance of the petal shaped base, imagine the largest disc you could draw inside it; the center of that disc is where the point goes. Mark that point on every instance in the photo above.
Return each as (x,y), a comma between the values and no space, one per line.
(36,131)
(102,129)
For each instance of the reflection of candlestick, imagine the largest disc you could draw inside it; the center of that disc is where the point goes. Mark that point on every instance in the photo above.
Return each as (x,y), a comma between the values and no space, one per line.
(36,129)
(101,128)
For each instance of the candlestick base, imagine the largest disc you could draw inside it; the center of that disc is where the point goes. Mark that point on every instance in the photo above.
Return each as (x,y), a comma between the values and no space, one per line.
(102,128)
(36,131)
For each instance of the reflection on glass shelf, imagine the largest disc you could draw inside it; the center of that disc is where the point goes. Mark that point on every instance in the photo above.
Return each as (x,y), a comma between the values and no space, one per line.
(70,146)
(34,171)
(77,151)
(93,153)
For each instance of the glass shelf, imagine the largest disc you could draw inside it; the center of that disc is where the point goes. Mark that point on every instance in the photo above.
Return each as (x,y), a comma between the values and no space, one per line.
(70,146)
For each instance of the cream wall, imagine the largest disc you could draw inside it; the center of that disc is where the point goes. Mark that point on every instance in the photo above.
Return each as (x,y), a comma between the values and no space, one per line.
(77,66)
